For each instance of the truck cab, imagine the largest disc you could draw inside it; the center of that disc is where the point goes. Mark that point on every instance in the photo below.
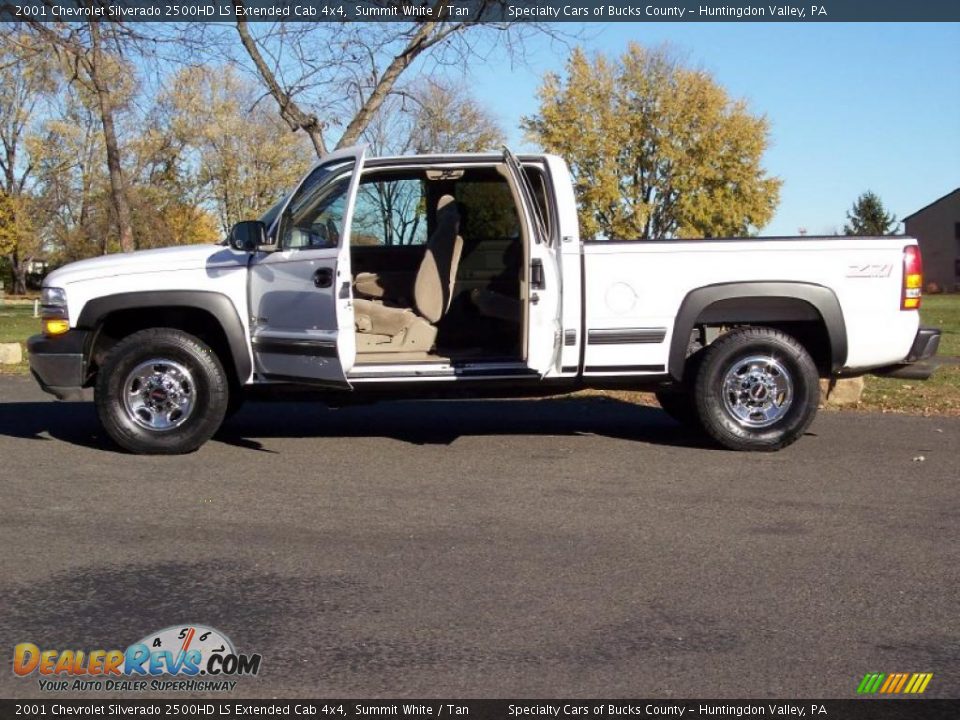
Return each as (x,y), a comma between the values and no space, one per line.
(406,267)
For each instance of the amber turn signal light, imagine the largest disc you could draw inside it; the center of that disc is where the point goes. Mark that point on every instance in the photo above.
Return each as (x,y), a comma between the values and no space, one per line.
(55,326)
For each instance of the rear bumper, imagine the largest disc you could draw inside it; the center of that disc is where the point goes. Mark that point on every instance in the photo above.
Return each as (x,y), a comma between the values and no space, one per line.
(919,363)
(58,363)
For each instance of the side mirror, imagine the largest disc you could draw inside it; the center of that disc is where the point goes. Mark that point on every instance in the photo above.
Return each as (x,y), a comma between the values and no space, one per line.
(248,235)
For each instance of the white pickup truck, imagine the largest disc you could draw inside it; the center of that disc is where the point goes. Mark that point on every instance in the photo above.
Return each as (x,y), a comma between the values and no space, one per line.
(453,275)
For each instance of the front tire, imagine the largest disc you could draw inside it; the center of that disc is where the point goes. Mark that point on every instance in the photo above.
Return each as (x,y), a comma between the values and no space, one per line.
(161,392)
(757,389)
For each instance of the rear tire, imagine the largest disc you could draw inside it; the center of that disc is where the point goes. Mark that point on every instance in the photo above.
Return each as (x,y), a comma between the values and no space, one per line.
(757,389)
(161,392)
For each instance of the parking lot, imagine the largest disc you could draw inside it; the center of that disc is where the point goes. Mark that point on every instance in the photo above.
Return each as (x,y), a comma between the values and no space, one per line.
(576,547)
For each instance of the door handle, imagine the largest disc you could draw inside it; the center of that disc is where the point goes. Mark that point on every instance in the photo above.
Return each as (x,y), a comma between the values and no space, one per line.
(323,278)
(537,281)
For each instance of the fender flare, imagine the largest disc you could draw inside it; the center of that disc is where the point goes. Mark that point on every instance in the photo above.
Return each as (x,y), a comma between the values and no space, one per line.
(820,298)
(216,304)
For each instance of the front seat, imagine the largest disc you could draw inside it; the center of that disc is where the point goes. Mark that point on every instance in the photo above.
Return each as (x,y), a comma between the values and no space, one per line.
(384,328)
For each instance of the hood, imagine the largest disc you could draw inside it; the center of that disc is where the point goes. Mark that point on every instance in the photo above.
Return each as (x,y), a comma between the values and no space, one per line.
(184,257)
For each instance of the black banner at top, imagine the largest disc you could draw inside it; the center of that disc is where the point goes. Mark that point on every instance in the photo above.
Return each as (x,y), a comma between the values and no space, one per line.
(681,11)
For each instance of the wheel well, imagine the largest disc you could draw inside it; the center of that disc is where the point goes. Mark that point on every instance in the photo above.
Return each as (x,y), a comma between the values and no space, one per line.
(794,316)
(196,321)
(808,310)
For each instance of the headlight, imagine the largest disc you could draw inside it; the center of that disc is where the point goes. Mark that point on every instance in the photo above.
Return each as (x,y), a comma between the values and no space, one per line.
(56,297)
(54,311)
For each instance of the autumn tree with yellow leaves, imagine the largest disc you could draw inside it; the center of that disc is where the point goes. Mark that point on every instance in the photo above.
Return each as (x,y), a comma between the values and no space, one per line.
(658,150)
(232,148)
(26,81)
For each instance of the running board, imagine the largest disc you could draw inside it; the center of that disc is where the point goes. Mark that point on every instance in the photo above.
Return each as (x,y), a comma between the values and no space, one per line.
(450,372)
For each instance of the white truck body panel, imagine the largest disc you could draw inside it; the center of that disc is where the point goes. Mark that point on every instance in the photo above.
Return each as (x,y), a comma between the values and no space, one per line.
(207,268)
(641,285)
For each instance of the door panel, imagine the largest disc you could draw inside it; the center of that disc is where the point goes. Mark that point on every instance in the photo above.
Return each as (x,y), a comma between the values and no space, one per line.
(296,331)
(300,295)
(543,326)
(542,279)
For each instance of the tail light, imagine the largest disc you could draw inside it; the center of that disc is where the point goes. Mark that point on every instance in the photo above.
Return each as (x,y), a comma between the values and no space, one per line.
(912,278)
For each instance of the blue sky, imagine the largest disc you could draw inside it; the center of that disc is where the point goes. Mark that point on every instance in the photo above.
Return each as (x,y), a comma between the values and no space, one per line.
(852,107)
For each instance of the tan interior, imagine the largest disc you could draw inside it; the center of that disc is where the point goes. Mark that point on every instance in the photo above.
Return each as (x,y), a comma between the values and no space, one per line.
(383,328)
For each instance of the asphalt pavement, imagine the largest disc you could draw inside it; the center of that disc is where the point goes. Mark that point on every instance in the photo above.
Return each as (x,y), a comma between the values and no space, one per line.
(543,548)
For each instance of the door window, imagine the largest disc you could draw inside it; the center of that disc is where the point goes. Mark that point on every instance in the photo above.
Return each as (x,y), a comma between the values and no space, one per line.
(315,216)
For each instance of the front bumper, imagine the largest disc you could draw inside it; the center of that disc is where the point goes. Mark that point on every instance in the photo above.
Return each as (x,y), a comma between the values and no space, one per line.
(58,363)
(919,363)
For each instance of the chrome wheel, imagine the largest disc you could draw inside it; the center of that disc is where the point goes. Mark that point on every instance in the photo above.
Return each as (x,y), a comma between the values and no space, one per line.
(159,394)
(757,391)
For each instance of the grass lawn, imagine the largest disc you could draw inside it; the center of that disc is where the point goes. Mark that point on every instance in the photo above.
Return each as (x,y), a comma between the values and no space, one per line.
(938,395)
(943,311)
(17,323)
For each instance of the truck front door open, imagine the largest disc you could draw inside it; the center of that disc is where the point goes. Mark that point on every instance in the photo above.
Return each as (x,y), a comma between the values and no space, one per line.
(301,300)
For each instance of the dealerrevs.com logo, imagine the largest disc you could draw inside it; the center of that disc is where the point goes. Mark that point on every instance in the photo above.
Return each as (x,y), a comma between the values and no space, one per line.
(189,658)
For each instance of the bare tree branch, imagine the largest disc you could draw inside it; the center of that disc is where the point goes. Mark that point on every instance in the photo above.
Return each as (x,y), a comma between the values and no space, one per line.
(296,118)
(325,76)
(427,35)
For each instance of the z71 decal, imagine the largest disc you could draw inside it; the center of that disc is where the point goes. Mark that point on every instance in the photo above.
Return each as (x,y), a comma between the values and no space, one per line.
(869,271)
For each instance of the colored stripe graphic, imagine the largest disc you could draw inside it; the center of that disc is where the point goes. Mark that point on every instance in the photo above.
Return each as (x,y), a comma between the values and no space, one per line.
(903,679)
(870,683)
(894,683)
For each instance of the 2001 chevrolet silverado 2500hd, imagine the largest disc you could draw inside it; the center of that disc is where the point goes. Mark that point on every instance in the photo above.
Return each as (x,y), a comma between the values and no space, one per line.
(466,274)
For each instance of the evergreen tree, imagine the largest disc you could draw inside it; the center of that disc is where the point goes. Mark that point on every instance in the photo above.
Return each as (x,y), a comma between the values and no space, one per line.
(869,217)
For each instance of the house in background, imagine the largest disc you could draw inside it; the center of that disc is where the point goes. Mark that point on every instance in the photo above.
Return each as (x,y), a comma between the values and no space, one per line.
(937,228)
(38,266)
